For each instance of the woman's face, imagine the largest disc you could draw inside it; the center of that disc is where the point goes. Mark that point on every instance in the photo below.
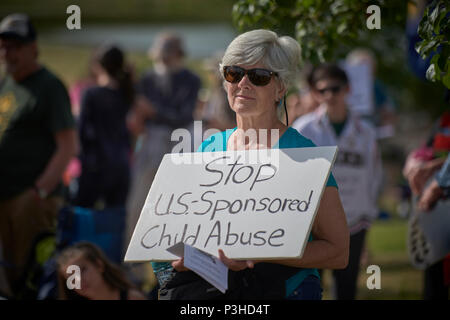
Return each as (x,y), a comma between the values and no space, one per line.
(249,100)
(91,275)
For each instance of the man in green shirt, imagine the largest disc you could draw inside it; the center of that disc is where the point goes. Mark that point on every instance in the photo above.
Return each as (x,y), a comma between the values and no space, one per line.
(37,140)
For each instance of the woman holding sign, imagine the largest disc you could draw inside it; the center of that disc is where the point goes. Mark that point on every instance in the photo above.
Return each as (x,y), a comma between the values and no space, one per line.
(258,67)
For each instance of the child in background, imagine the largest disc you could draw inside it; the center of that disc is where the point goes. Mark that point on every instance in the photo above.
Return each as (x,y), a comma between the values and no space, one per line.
(357,168)
(100,279)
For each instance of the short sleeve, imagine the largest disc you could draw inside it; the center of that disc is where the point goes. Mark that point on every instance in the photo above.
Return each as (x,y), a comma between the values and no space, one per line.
(58,102)
(331,181)
(216,142)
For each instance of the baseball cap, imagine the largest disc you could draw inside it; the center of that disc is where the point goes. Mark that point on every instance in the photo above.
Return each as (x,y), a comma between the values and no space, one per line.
(17,26)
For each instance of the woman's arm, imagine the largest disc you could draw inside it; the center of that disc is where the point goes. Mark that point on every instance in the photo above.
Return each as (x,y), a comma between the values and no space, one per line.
(328,250)
(66,147)
(330,247)
(140,112)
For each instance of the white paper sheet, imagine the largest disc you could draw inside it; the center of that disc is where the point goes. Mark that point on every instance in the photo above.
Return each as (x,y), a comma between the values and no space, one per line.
(205,265)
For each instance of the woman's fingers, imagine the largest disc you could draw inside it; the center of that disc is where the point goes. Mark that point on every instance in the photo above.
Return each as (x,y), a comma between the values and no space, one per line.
(235,265)
(179,265)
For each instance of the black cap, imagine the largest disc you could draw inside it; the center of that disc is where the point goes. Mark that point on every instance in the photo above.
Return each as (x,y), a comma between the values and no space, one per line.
(17,26)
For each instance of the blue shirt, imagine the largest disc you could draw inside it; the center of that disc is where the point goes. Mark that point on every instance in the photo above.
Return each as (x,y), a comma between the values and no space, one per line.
(290,139)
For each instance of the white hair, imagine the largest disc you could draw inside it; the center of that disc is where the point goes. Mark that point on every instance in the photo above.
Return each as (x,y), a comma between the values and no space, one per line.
(279,54)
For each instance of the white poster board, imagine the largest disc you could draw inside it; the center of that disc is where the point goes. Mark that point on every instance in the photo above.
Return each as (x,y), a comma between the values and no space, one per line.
(251,204)
(360,99)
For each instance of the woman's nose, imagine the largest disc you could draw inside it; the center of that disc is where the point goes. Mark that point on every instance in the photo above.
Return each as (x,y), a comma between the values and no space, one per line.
(245,81)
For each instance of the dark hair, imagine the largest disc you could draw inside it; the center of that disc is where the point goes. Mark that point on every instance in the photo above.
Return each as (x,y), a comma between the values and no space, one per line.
(112,60)
(325,72)
(113,275)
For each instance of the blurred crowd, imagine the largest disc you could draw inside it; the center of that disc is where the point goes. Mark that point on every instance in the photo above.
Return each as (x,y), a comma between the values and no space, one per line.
(91,151)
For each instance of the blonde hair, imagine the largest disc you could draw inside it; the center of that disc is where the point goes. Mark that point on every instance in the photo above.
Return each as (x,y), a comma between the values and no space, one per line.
(279,54)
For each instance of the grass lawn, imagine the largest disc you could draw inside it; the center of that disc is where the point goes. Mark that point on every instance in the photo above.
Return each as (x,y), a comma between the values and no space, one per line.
(386,245)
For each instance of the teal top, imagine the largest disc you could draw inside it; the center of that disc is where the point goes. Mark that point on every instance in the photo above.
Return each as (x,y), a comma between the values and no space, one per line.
(290,139)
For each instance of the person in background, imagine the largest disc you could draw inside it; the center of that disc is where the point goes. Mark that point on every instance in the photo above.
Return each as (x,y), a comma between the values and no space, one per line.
(357,167)
(167,97)
(99,279)
(303,101)
(105,140)
(438,188)
(37,140)
(258,67)
(427,170)
(383,112)
(166,100)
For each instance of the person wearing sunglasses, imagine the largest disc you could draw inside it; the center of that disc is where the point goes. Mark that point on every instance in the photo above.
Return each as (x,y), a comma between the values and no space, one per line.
(357,167)
(258,67)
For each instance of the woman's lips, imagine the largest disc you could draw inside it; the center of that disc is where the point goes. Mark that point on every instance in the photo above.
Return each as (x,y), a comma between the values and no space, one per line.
(245,97)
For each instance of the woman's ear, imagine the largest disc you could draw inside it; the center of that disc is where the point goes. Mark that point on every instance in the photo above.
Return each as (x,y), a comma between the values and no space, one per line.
(281,91)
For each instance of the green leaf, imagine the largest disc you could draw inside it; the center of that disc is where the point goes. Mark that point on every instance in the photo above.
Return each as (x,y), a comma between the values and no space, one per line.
(431,73)
(437,25)
(444,58)
(305,3)
(434,14)
(426,47)
(436,72)
(446,80)
(341,28)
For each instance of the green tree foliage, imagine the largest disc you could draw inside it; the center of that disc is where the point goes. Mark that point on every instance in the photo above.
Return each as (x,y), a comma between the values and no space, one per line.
(329,29)
(434,29)
(321,26)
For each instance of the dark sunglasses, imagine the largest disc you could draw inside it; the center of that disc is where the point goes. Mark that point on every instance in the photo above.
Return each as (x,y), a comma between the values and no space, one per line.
(333,89)
(259,77)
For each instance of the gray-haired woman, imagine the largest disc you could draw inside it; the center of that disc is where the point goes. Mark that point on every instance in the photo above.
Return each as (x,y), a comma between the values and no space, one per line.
(258,66)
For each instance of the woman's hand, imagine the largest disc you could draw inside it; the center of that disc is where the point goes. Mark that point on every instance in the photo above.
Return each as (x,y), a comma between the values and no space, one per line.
(235,265)
(179,265)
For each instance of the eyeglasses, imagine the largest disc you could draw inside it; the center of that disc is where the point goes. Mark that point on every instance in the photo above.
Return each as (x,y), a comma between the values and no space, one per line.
(259,77)
(333,89)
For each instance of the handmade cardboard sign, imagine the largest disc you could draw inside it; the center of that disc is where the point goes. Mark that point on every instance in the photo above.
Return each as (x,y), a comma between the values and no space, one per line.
(253,204)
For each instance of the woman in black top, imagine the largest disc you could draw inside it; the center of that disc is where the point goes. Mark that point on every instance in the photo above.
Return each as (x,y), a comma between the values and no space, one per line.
(104,137)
